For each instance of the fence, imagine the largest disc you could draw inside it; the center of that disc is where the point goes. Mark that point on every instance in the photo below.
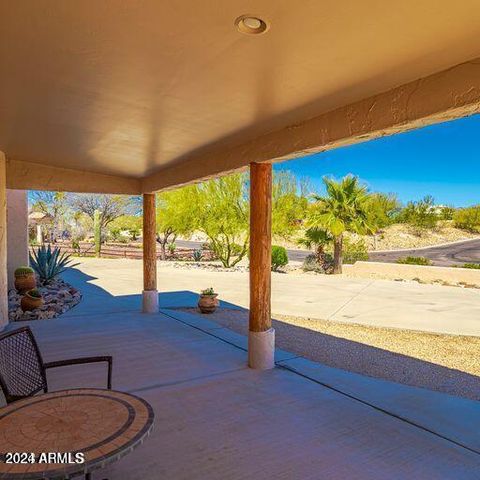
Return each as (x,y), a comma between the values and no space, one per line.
(133,251)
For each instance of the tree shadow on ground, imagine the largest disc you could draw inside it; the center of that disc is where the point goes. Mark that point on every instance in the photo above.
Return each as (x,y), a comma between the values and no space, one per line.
(358,357)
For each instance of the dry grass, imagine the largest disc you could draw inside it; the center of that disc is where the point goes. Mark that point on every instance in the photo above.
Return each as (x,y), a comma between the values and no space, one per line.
(446,363)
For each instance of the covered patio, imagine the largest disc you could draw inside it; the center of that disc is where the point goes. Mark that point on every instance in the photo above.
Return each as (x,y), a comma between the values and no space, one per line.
(138,97)
(216,418)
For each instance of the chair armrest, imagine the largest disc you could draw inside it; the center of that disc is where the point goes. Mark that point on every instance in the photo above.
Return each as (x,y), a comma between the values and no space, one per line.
(82,360)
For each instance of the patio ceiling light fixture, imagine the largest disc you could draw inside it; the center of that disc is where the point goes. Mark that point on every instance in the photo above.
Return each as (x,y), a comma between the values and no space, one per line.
(251,25)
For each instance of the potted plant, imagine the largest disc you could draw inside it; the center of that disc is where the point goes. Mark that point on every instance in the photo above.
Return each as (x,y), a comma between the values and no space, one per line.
(208,301)
(24,279)
(31,300)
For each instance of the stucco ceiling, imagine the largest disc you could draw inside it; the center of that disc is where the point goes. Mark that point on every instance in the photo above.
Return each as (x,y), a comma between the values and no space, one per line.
(130,87)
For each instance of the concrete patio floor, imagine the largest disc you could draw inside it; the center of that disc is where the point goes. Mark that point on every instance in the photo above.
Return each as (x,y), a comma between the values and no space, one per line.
(217,419)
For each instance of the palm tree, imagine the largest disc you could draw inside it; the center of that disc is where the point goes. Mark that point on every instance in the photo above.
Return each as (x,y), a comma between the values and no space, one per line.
(343,209)
(316,238)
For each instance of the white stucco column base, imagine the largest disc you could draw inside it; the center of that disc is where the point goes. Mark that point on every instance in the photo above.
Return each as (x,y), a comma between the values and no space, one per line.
(150,301)
(261,350)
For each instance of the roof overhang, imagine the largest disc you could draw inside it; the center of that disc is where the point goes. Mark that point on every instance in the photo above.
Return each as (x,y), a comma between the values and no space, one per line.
(114,97)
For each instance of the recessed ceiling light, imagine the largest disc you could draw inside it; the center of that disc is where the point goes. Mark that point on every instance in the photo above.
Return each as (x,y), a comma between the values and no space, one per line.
(251,25)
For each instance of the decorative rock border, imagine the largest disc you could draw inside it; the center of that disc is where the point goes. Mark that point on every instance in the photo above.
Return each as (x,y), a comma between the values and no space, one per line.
(59,296)
(212,267)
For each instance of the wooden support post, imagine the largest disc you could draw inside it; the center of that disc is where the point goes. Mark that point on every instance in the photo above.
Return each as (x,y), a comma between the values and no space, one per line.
(150,293)
(3,243)
(261,339)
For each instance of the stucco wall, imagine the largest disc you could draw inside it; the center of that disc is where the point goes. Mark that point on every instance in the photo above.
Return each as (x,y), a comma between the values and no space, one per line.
(17,231)
(395,271)
(33,176)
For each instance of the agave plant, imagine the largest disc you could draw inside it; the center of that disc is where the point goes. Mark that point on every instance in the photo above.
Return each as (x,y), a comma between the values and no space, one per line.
(48,263)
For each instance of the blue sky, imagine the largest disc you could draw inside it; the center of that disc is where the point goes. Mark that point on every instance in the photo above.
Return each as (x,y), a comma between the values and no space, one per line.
(441,160)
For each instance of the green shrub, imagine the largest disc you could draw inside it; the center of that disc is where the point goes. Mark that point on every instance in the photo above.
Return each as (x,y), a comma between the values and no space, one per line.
(414,261)
(311,264)
(354,250)
(447,212)
(420,215)
(475,266)
(115,233)
(76,246)
(48,262)
(468,218)
(279,257)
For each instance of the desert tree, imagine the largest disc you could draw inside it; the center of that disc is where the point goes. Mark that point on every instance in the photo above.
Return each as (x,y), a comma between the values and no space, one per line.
(176,215)
(343,209)
(289,204)
(53,204)
(102,209)
(222,212)
(421,214)
(317,239)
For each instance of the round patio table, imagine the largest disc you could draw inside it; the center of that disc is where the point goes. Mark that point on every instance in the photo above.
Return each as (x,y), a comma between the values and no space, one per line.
(102,424)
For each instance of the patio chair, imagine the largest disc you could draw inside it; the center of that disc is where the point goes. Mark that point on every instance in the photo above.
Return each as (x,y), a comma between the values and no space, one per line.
(22,369)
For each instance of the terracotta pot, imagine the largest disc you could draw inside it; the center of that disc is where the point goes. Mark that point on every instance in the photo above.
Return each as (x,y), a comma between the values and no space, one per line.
(208,303)
(29,303)
(24,283)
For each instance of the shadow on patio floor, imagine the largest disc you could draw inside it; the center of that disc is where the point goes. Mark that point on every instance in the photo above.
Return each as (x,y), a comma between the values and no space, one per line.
(187,364)
(358,357)
(330,350)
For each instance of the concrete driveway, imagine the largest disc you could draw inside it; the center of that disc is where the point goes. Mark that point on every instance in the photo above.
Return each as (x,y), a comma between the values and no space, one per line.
(406,305)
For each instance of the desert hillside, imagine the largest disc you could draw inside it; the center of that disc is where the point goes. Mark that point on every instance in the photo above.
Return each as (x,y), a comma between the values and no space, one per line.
(394,237)
(404,236)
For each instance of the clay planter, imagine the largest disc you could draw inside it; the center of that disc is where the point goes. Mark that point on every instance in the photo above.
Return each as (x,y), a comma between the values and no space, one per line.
(25,282)
(208,303)
(29,303)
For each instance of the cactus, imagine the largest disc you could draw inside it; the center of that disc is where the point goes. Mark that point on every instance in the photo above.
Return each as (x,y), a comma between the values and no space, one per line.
(23,271)
(208,291)
(34,293)
(197,254)
(97,228)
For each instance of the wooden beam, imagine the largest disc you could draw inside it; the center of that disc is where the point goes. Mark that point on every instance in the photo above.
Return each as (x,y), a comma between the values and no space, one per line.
(261,335)
(443,96)
(149,242)
(3,245)
(150,294)
(34,176)
(260,246)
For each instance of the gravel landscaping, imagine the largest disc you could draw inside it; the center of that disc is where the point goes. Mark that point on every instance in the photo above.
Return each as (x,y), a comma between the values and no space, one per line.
(446,363)
(58,296)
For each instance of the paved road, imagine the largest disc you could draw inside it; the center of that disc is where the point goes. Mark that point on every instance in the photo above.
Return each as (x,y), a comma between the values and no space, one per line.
(447,255)
(293,255)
